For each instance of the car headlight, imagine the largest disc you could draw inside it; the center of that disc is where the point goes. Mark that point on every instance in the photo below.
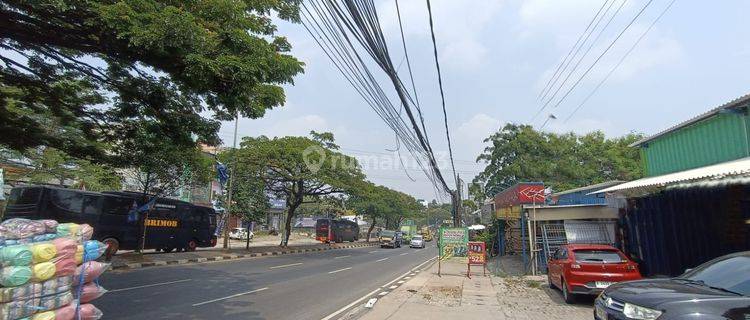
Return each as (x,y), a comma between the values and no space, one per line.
(640,313)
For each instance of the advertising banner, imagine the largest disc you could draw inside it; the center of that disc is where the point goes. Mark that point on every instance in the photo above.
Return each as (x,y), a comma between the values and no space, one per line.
(453,242)
(477,253)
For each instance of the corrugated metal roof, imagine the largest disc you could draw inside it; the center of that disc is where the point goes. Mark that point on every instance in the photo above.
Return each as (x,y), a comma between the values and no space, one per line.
(589,187)
(739,102)
(728,169)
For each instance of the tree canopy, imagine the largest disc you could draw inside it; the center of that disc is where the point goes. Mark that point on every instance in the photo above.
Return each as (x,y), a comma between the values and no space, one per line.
(96,79)
(562,161)
(299,169)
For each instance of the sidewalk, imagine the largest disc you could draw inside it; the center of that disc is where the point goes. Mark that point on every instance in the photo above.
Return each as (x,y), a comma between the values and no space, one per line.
(133,260)
(454,296)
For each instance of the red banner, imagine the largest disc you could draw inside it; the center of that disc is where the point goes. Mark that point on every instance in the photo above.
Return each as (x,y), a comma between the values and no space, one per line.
(477,253)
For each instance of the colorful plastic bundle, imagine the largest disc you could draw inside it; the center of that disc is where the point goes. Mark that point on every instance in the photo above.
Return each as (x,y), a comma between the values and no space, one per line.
(47,270)
(30,290)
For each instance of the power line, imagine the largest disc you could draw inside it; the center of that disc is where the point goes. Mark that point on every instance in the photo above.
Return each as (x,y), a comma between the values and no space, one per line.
(411,75)
(442,94)
(643,35)
(575,67)
(547,85)
(602,54)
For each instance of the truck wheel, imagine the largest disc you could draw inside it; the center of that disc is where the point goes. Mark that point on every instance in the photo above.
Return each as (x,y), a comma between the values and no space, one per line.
(112,246)
(191,245)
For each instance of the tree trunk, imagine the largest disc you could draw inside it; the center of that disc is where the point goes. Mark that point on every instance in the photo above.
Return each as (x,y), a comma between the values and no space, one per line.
(369,231)
(247,241)
(288,225)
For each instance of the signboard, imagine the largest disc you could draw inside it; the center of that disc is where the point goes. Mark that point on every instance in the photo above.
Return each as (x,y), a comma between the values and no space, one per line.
(521,193)
(161,223)
(477,253)
(452,242)
(508,213)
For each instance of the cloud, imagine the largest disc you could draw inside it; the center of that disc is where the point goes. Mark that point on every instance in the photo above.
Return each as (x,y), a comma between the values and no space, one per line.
(470,135)
(460,27)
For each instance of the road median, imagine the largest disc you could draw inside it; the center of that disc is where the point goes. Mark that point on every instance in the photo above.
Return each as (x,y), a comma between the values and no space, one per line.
(131,261)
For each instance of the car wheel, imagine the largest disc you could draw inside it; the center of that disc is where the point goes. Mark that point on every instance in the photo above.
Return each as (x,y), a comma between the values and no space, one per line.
(567,296)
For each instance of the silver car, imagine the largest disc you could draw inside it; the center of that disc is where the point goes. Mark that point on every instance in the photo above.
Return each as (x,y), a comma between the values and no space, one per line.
(416,242)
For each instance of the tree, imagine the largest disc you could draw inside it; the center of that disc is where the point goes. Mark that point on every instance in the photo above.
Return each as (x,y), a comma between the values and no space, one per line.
(299,169)
(161,168)
(383,205)
(89,77)
(562,161)
(52,166)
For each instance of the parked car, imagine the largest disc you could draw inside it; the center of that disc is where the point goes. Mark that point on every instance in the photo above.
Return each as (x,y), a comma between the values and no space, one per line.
(416,242)
(390,238)
(240,234)
(718,289)
(588,269)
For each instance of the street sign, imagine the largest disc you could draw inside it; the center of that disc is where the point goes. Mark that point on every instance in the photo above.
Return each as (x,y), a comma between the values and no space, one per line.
(477,256)
(477,253)
(452,242)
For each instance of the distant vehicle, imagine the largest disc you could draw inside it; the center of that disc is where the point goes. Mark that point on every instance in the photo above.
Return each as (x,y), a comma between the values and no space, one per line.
(390,238)
(718,289)
(426,233)
(171,224)
(408,231)
(588,269)
(416,242)
(331,230)
(240,234)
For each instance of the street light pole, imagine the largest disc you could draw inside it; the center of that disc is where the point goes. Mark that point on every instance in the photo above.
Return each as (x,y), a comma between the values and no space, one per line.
(228,209)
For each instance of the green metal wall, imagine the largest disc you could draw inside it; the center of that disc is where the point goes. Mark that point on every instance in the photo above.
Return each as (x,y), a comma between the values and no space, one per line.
(721,138)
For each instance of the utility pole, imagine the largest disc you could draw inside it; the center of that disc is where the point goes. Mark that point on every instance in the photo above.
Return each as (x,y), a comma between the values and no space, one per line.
(228,209)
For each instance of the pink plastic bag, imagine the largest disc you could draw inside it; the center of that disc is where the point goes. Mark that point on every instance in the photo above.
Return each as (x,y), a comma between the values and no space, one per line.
(65,267)
(66,247)
(90,292)
(91,271)
(87,312)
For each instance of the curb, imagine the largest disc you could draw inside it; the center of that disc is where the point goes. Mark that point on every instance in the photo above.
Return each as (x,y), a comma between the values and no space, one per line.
(137,265)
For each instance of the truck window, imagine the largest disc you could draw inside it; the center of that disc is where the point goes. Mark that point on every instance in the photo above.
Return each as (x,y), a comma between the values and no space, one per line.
(68,200)
(91,204)
(119,206)
(24,196)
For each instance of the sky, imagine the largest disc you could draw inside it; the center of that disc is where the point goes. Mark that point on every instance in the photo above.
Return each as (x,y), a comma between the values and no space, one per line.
(497,56)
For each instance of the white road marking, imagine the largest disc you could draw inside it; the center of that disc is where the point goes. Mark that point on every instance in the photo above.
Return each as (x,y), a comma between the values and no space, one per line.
(341,257)
(381,260)
(392,287)
(230,297)
(150,285)
(339,270)
(383,293)
(373,251)
(405,253)
(286,265)
(335,313)
(401,282)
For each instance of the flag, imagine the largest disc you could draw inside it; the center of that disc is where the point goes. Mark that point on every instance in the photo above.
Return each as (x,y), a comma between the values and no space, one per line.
(221,173)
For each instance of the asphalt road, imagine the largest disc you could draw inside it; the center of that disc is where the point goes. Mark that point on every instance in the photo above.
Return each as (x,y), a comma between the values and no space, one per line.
(298,286)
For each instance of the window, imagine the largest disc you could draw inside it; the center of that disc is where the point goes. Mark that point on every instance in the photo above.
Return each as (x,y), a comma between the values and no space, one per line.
(70,201)
(116,205)
(91,204)
(601,256)
(24,196)
(563,253)
(730,274)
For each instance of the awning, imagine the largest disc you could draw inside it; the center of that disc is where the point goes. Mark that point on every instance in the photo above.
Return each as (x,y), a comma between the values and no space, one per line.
(730,169)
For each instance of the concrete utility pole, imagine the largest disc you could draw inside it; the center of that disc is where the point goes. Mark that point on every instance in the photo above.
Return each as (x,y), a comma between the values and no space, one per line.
(227,210)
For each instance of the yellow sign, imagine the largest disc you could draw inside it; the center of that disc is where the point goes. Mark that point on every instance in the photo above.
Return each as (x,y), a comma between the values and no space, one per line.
(506,213)
(161,223)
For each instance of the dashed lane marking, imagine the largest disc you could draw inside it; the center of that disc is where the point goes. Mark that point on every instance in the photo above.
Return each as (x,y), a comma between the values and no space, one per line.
(230,297)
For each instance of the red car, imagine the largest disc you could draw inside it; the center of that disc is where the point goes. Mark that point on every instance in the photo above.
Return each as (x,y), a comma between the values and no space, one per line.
(588,269)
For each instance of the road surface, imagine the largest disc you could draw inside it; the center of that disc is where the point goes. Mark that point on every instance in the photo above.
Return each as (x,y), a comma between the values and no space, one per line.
(299,286)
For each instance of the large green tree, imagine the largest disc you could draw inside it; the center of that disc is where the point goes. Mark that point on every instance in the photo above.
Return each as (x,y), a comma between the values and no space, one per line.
(562,161)
(96,79)
(384,206)
(300,170)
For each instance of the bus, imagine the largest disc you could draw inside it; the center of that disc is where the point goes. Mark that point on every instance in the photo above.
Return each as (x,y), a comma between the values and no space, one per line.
(331,230)
(171,224)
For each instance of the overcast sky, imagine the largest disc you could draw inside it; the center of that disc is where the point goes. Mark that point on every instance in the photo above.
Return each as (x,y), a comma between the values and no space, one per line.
(496,58)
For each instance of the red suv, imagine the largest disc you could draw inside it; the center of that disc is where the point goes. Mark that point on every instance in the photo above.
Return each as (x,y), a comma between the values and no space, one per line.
(588,269)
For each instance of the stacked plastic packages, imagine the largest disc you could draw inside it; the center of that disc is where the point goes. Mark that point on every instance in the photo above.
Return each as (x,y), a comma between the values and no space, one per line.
(49,270)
